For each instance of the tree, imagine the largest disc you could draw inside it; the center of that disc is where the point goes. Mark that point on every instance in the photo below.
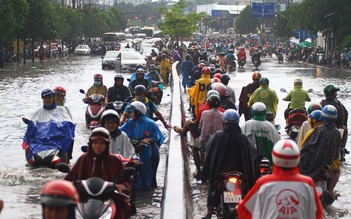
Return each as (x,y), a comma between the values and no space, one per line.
(176,23)
(94,23)
(245,22)
(7,21)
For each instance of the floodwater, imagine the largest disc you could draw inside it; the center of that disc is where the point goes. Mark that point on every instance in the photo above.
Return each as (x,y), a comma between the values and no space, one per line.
(20,89)
(282,76)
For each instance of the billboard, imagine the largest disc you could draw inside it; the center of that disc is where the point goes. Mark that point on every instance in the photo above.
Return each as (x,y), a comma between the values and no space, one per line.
(265,10)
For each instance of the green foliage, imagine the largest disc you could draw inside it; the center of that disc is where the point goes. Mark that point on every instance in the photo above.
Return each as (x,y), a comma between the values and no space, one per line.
(245,22)
(7,21)
(176,23)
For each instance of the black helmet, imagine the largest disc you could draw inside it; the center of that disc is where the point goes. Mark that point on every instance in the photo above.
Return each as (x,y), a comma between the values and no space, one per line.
(225,79)
(139,89)
(213,101)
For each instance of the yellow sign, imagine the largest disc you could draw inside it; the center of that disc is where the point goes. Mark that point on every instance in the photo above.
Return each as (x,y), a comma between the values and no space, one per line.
(21,46)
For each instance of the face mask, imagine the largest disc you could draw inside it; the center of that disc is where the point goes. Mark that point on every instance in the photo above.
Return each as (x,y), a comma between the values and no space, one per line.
(97,83)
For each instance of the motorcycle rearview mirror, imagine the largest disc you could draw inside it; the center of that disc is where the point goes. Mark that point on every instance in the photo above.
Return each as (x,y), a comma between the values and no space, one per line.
(128,79)
(155,119)
(84,148)
(282,90)
(81,91)
(62,167)
(310,90)
(128,171)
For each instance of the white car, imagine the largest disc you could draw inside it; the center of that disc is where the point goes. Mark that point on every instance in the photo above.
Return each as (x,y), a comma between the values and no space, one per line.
(127,61)
(82,50)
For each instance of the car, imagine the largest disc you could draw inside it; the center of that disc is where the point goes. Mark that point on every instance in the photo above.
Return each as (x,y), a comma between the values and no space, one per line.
(109,60)
(82,50)
(127,61)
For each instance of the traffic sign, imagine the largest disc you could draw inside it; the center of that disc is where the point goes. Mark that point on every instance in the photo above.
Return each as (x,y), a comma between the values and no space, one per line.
(265,10)
(304,34)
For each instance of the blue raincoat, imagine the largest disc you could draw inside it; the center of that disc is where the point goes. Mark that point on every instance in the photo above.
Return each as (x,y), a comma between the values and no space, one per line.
(185,69)
(49,129)
(140,129)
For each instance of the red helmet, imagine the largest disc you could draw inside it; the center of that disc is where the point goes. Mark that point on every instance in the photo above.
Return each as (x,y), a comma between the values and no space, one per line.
(59,193)
(60,90)
(221,88)
(256,76)
(217,75)
(206,70)
(97,77)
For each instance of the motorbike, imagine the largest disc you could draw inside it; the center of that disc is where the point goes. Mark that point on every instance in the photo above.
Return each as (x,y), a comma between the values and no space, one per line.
(94,109)
(230,185)
(45,158)
(232,66)
(265,167)
(280,58)
(256,62)
(118,106)
(241,62)
(321,58)
(98,198)
(295,119)
(321,181)
(157,90)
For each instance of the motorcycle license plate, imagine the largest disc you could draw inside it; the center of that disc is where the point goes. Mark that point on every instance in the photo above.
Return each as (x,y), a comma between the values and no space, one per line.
(321,184)
(230,197)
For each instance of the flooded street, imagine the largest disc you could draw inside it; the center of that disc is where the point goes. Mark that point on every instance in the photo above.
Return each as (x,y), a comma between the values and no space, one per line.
(20,95)
(282,76)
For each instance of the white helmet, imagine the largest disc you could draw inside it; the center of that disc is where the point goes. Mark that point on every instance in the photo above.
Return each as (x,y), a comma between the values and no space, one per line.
(258,108)
(286,154)
(139,106)
(109,114)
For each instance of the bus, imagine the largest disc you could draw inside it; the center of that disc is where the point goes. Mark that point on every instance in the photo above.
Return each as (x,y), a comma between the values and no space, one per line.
(114,36)
(149,31)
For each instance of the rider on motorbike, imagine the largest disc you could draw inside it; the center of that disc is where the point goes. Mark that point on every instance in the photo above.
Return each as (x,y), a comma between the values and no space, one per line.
(98,87)
(140,80)
(49,127)
(231,59)
(241,53)
(120,142)
(230,91)
(245,94)
(267,135)
(118,92)
(156,79)
(314,120)
(257,55)
(330,92)
(222,61)
(265,95)
(140,95)
(285,193)
(322,148)
(305,127)
(297,97)
(226,101)
(140,128)
(59,199)
(228,150)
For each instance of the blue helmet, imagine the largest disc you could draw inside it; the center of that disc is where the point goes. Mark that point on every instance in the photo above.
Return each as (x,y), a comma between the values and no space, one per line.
(329,113)
(46,93)
(230,116)
(316,115)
